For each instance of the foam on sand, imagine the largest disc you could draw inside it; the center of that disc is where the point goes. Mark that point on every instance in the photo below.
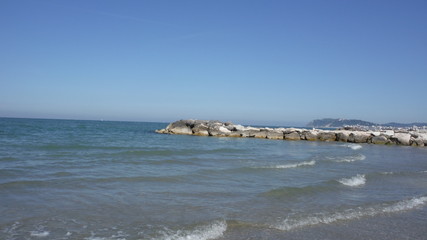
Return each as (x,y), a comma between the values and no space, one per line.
(355,181)
(350,214)
(206,232)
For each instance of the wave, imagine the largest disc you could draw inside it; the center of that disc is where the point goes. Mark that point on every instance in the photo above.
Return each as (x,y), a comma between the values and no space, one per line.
(207,232)
(350,214)
(354,146)
(293,165)
(355,181)
(298,191)
(348,159)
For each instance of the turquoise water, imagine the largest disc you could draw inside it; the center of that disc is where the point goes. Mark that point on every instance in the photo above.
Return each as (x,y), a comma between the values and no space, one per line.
(64,179)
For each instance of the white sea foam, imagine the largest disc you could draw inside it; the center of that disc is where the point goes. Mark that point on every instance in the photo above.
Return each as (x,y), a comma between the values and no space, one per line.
(355,146)
(39,233)
(301,164)
(355,181)
(350,214)
(358,157)
(119,236)
(352,146)
(207,232)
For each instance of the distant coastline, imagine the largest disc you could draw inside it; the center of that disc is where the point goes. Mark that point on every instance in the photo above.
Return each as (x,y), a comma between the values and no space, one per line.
(355,123)
(405,137)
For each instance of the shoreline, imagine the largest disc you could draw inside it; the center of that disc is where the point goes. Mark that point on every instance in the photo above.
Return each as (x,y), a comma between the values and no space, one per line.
(228,129)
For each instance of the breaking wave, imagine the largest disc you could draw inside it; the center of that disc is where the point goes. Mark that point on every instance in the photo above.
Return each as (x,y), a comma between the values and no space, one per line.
(354,146)
(350,214)
(353,158)
(355,181)
(207,232)
(293,165)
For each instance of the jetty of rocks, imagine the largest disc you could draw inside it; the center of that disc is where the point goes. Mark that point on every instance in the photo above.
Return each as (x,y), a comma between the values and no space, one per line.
(228,129)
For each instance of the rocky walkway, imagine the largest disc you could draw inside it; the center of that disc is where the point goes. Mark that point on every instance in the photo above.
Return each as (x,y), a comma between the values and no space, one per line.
(228,129)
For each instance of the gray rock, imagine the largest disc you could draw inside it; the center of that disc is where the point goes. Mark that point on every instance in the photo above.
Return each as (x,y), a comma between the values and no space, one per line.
(181,130)
(235,134)
(380,140)
(417,142)
(343,136)
(327,136)
(254,133)
(292,136)
(309,135)
(200,129)
(178,124)
(359,137)
(273,134)
(218,130)
(402,138)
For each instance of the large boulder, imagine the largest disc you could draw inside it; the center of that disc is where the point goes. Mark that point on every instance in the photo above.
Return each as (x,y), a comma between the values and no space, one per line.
(359,137)
(423,136)
(218,130)
(180,127)
(309,135)
(417,142)
(292,136)
(200,129)
(255,133)
(382,139)
(275,134)
(402,138)
(343,136)
(327,136)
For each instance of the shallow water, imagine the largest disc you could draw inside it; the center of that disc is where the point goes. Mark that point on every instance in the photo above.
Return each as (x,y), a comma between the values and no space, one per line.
(63,179)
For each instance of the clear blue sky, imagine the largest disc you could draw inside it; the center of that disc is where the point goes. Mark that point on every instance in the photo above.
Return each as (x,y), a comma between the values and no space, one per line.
(259,62)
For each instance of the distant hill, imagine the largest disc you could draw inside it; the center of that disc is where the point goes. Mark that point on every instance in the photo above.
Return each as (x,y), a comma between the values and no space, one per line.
(337,122)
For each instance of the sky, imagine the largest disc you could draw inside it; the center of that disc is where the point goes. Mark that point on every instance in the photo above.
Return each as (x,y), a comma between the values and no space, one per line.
(250,62)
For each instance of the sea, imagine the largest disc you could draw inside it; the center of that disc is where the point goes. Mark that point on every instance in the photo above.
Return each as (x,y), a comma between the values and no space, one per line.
(102,180)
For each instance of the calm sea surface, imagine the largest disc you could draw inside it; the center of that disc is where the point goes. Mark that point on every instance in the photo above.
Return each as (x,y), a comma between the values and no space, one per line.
(63,179)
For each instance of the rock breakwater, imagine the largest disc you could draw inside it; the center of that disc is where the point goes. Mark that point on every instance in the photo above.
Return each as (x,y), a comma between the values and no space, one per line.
(228,129)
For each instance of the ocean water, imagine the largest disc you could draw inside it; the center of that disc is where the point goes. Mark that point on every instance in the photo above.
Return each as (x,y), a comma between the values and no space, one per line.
(96,180)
